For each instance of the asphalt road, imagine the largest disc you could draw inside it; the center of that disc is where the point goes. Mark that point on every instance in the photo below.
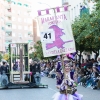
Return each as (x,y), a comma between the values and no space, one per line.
(44,93)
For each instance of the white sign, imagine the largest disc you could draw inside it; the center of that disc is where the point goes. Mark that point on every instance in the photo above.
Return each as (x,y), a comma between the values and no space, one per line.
(47,36)
(60,40)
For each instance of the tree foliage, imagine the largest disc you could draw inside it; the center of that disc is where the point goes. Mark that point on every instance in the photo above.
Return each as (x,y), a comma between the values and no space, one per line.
(6,57)
(0,57)
(86,31)
(38,50)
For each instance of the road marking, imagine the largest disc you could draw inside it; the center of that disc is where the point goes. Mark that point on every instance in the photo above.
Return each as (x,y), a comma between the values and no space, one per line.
(52,89)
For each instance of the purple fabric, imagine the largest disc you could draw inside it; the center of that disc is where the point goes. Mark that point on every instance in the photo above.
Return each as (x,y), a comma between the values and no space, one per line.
(71,75)
(47,11)
(59,80)
(71,84)
(78,96)
(58,69)
(39,12)
(58,9)
(65,8)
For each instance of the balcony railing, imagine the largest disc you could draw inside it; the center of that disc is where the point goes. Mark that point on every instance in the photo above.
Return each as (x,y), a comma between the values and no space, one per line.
(9,31)
(8,23)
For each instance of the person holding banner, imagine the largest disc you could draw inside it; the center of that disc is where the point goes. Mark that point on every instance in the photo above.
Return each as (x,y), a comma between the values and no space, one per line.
(67,87)
(57,39)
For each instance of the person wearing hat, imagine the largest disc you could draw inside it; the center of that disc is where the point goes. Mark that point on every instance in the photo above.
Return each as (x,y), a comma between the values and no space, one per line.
(67,85)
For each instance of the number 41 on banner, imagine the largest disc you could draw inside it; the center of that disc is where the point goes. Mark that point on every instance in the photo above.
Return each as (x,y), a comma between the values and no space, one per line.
(47,36)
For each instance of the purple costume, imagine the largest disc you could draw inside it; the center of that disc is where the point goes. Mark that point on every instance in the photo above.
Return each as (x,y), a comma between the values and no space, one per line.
(59,76)
(63,95)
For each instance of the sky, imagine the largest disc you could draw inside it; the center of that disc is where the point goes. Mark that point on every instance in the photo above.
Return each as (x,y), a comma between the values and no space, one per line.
(43,4)
(50,3)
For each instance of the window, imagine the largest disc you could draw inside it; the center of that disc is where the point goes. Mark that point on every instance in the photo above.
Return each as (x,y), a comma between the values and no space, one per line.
(19,20)
(8,33)
(19,4)
(13,2)
(25,13)
(25,20)
(13,34)
(9,10)
(13,18)
(18,12)
(19,27)
(25,5)
(20,35)
(8,41)
(9,26)
(31,28)
(6,18)
(13,11)
(26,35)
(13,26)
(13,41)
(9,18)
(29,21)
(25,27)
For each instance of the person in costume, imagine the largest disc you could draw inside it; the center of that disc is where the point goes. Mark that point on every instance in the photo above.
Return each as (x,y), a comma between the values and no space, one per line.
(59,74)
(66,88)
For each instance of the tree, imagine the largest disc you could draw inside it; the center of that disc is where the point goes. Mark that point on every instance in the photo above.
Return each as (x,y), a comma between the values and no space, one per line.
(6,57)
(86,31)
(31,55)
(0,57)
(79,32)
(38,50)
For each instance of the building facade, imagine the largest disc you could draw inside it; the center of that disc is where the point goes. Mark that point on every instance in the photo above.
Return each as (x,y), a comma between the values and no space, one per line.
(2,32)
(35,31)
(18,23)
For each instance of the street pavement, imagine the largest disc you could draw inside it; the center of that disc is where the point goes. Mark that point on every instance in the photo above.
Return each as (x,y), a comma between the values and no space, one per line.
(44,93)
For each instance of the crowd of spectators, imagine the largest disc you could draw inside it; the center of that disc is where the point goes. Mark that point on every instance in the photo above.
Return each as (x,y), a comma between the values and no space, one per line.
(86,74)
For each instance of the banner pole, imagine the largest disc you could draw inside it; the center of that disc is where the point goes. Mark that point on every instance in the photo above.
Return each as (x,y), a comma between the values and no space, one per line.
(62,60)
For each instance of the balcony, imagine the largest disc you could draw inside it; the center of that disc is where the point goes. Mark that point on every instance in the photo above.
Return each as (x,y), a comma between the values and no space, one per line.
(29,33)
(8,1)
(3,28)
(7,42)
(8,29)
(30,41)
(8,24)
(8,38)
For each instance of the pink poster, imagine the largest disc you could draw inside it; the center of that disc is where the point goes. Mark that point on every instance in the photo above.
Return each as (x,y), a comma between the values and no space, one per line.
(56,32)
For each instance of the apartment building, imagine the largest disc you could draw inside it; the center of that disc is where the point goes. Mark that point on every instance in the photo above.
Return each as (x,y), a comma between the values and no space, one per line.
(18,22)
(36,37)
(2,32)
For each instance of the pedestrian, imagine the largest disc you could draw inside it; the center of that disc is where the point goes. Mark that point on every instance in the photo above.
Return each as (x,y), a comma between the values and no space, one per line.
(34,68)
